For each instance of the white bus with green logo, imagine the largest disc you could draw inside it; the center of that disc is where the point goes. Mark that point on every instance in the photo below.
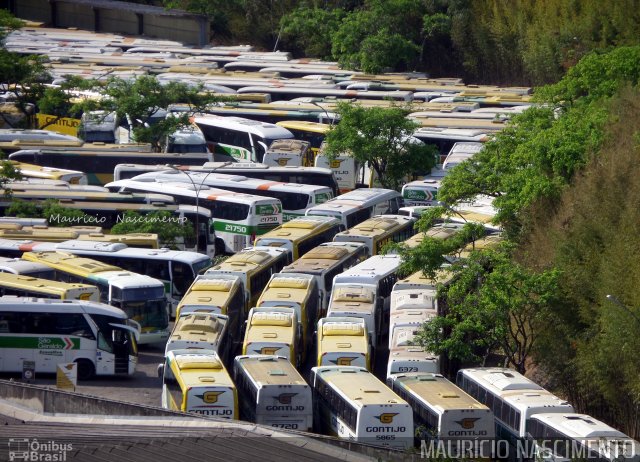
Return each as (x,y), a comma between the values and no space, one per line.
(243,139)
(46,332)
(236,218)
(295,198)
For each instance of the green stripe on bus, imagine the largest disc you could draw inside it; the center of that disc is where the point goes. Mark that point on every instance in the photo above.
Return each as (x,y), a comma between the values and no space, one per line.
(290,216)
(40,343)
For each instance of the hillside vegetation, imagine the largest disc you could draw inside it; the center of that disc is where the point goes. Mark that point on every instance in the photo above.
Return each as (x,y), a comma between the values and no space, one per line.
(493,41)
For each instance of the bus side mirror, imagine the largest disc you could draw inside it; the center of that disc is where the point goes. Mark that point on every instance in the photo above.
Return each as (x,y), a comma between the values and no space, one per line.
(160,370)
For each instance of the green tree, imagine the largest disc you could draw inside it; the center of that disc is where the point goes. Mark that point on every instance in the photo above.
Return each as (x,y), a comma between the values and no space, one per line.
(494,305)
(142,98)
(170,232)
(23,209)
(58,215)
(381,137)
(310,29)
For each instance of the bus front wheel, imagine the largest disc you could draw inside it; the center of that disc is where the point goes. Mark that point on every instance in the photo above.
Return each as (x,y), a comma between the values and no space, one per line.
(86,369)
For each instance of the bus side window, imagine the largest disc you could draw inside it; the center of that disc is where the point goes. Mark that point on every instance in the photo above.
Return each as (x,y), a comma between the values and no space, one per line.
(103,343)
(73,324)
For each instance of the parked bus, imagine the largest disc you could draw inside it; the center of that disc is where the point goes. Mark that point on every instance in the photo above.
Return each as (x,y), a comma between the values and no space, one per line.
(378,231)
(49,173)
(220,293)
(95,336)
(297,291)
(379,271)
(141,297)
(99,126)
(445,138)
(325,262)
(358,301)
(26,268)
(242,139)
(312,132)
(422,192)
(98,165)
(274,331)
(254,267)
(38,194)
(300,235)
(175,268)
(357,206)
(460,152)
(29,286)
(197,381)
(295,153)
(237,218)
(512,398)
(301,175)
(345,168)
(272,392)
(201,330)
(351,403)
(343,341)
(444,413)
(13,139)
(404,356)
(440,231)
(564,437)
(295,198)
(289,92)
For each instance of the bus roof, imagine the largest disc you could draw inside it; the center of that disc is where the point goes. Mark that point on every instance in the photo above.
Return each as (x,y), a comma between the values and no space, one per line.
(304,125)
(199,327)
(21,281)
(299,227)
(271,325)
(578,425)
(266,130)
(199,368)
(266,370)
(342,334)
(437,392)
(20,266)
(371,269)
(13,303)
(209,290)
(324,256)
(377,226)
(245,261)
(500,379)
(358,385)
(288,288)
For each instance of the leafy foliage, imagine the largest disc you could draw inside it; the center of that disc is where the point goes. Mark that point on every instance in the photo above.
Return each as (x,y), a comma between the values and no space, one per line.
(162,223)
(381,137)
(141,99)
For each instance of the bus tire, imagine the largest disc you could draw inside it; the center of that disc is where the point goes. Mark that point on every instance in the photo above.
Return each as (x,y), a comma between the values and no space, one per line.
(86,369)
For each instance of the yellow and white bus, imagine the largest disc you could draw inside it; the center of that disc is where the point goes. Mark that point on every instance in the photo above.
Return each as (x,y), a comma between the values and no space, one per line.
(216,293)
(254,267)
(343,341)
(28,286)
(378,231)
(140,296)
(274,331)
(312,132)
(441,231)
(358,301)
(300,235)
(444,413)
(292,153)
(422,192)
(98,337)
(272,392)
(50,173)
(351,403)
(206,331)
(297,291)
(325,262)
(197,381)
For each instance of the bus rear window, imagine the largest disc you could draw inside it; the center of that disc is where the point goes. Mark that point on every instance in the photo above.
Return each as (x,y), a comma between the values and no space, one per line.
(138,293)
